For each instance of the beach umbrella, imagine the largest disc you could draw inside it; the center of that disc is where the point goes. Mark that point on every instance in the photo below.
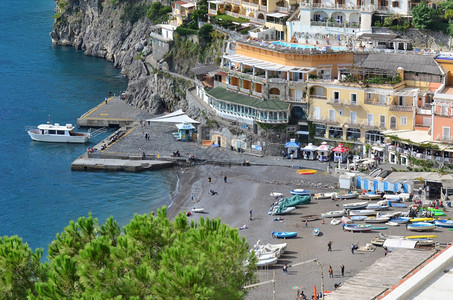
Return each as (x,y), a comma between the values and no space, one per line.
(340,148)
(315,292)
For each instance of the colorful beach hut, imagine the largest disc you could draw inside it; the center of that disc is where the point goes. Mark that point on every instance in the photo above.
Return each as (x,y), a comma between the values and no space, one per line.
(323,152)
(185,131)
(309,151)
(292,148)
(339,152)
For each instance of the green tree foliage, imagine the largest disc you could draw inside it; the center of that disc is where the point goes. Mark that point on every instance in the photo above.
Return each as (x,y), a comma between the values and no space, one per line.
(422,16)
(201,13)
(158,12)
(205,33)
(132,13)
(19,268)
(154,258)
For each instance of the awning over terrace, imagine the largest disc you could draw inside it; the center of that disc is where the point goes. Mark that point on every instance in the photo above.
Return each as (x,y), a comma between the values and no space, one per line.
(264,65)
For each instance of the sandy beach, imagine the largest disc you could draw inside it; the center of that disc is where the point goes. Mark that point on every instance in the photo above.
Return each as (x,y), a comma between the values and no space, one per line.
(248,188)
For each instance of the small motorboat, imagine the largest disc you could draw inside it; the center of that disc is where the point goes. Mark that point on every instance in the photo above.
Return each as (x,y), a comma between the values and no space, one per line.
(377,220)
(266,262)
(358,218)
(284,234)
(197,210)
(357,205)
(396,204)
(325,195)
(350,195)
(266,255)
(55,133)
(309,218)
(370,196)
(378,228)
(357,227)
(377,206)
(335,221)
(362,212)
(259,245)
(316,231)
(378,241)
(334,214)
(299,192)
(422,220)
(421,226)
(444,223)
(400,220)
(346,220)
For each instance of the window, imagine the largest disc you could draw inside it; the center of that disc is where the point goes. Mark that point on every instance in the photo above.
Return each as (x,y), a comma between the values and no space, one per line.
(392,122)
(445,132)
(331,115)
(353,117)
(52,132)
(317,113)
(381,99)
(60,132)
(400,100)
(336,96)
(370,119)
(396,4)
(353,99)
(444,110)
(403,121)
(340,112)
(382,121)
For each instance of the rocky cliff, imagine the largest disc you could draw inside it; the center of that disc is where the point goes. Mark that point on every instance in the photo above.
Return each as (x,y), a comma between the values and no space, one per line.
(118,31)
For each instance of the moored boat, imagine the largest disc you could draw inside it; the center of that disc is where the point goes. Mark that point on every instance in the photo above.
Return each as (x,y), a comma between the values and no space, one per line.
(197,210)
(390,223)
(376,206)
(444,223)
(370,196)
(421,226)
(266,262)
(335,221)
(325,195)
(376,219)
(299,192)
(358,218)
(357,205)
(400,220)
(284,234)
(357,227)
(424,236)
(350,195)
(259,245)
(55,133)
(362,212)
(334,214)
(280,211)
(276,194)
(346,220)
(422,220)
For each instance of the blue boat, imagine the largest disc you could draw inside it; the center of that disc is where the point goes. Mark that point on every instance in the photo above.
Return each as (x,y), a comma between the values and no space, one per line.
(399,220)
(284,234)
(444,223)
(421,226)
(396,204)
(358,218)
(316,231)
(299,192)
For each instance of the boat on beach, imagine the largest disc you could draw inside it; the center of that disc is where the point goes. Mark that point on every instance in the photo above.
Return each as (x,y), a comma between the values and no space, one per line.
(55,133)
(350,195)
(335,221)
(362,212)
(421,226)
(358,218)
(390,223)
(346,220)
(299,192)
(334,214)
(197,210)
(277,210)
(377,219)
(400,220)
(377,206)
(259,245)
(284,234)
(424,236)
(316,231)
(325,195)
(357,227)
(422,220)
(276,194)
(444,223)
(357,205)
(266,262)
(370,196)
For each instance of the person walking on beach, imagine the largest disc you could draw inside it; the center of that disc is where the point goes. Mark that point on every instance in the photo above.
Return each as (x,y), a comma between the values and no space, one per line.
(352,248)
(225,178)
(329,246)
(330,272)
(342,270)
(209,179)
(306,223)
(285,269)
(251,211)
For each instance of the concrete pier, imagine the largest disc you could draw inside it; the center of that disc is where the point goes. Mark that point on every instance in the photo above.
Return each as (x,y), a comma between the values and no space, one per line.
(111,113)
(84,163)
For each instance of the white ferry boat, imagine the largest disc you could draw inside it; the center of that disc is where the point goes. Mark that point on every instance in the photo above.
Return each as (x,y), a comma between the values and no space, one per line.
(58,134)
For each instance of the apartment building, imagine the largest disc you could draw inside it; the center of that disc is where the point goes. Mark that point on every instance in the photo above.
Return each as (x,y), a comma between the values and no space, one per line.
(382,94)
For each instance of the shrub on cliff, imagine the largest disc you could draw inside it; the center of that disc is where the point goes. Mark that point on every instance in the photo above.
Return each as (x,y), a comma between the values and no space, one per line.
(205,33)
(133,13)
(154,258)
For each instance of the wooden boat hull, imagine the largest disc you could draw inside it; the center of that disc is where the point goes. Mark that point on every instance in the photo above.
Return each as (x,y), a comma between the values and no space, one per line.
(334,214)
(370,197)
(197,210)
(377,220)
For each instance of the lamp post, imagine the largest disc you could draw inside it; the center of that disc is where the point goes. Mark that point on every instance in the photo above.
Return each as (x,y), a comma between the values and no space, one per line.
(322,278)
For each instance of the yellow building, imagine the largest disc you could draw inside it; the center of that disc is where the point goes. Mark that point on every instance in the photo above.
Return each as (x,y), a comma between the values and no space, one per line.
(181,11)
(377,96)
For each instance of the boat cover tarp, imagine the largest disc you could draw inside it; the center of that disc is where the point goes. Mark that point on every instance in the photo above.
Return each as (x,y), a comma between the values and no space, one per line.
(400,243)
(295,200)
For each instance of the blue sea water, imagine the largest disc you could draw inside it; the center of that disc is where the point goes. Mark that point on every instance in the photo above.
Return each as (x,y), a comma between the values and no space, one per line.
(39,194)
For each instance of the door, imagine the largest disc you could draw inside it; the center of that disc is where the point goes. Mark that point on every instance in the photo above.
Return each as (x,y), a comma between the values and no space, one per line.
(353,117)
(331,115)
(370,119)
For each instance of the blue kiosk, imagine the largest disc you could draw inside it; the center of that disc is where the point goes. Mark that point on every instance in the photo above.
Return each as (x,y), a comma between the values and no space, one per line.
(185,131)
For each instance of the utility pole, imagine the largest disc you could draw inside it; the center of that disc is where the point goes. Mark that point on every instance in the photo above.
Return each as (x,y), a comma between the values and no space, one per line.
(322,279)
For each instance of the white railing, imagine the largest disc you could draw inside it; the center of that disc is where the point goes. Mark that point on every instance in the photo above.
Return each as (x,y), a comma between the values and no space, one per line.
(444,139)
(276,80)
(212,12)
(247,91)
(282,9)
(258,94)
(297,100)
(237,2)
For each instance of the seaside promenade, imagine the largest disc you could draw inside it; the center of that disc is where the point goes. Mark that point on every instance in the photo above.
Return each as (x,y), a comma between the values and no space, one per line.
(248,188)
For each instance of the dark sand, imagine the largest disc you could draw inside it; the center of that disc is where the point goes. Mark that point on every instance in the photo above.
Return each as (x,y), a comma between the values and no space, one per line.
(248,188)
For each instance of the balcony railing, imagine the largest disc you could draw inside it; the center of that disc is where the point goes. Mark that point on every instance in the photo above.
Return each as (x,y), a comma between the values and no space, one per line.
(444,139)
(319,97)
(258,94)
(297,100)
(372,102)
(336,102)
(263,7)
(353,122)
(233,87)
(368,8)
(237,2)
(276,80)
(250,4)
(369,124)
(212,12)
(282,9)
(400,108)
(246,91)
